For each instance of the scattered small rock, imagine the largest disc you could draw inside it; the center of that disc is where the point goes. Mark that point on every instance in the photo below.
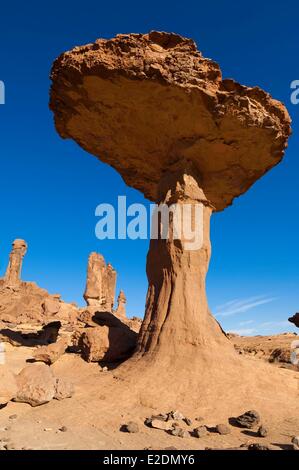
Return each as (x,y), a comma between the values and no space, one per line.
(258,447)
(223,429)
(179,432)
(48,429)
(63,389)
(63,429)
(248,420)
(13,416)
(10,446)
(176,415)
(199,418)
(188,421)
(131,427)
(262,431)
(164,425)
(201,431)
(295,442)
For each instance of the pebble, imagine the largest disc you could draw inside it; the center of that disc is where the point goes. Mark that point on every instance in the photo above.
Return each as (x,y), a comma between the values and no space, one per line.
(262,431)
(175,415)
(248,420)
(223,429)
(131,427)
(164,425)
(201,431)
(188,421)
(258,447)
(63,429)
(179,432)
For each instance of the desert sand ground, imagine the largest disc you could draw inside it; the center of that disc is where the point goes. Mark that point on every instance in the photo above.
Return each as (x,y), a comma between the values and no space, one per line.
(93,417)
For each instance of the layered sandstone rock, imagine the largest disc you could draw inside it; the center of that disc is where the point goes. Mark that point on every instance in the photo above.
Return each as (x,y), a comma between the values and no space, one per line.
(100,284)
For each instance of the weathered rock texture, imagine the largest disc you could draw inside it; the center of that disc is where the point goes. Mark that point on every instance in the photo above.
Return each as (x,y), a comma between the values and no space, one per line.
(51,353)
(160,113)
(101,283)
(36,385)
(143,103)
(104,337)
(121,305)
(14,268)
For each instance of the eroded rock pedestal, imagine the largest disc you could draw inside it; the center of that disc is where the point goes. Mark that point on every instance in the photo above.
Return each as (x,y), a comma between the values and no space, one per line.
(160,113)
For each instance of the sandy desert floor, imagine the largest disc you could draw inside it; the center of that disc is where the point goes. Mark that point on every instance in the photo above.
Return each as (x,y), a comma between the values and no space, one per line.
(92,418)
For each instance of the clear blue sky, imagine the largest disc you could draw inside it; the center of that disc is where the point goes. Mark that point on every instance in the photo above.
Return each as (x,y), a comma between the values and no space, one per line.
(49,188)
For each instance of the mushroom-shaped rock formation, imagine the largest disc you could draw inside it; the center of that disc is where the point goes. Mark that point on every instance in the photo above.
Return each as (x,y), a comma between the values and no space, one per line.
(159,112)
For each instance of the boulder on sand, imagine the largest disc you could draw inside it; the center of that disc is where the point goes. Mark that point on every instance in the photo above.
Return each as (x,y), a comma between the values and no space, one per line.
(8,385)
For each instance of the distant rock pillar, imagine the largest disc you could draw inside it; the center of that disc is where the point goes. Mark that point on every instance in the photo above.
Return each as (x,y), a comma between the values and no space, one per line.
(13,273)
(121,305)
(110,286)
(100,284)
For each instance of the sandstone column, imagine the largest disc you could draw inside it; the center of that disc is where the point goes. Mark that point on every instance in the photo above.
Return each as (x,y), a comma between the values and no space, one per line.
(100,283)
(177,315)
(121,304)
(14,268)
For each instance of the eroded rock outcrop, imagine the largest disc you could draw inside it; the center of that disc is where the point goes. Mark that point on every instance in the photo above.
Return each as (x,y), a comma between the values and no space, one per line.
(100,284)
(13,273)
(25,303)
